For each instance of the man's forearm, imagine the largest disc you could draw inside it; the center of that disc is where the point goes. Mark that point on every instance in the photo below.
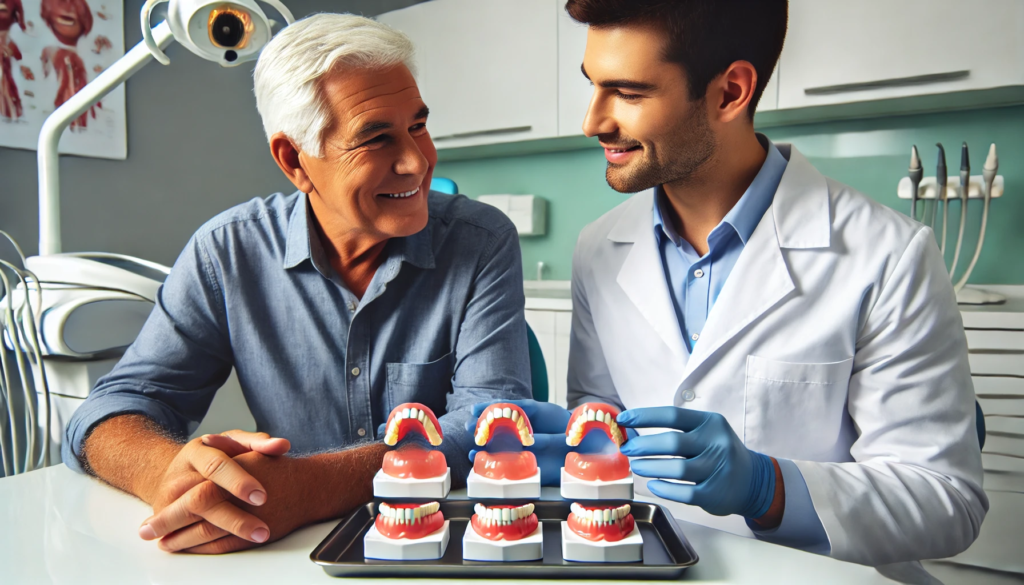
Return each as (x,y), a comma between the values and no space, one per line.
(131,453)
(335,483)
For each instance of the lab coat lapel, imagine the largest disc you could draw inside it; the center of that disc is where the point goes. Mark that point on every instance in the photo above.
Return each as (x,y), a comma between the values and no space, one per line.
(799,217)
(642,276)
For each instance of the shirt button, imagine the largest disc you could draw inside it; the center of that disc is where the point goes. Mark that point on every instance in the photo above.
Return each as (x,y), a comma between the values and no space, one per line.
(355,371)
(688,396)
(352,307)
(698,273)
(694,337)
(361,432)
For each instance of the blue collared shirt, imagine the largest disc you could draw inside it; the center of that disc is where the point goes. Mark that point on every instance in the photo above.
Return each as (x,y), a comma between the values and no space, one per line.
(695,282)
(441,323)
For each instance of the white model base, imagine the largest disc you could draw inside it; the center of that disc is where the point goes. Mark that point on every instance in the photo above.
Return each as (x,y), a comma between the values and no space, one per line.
(478,548)
(478,486)
(574,488)
(385,486)
(578,549)
(428,548)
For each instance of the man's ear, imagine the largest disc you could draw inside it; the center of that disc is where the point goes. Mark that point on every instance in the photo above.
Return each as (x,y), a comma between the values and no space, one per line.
(286,155)
(730,93)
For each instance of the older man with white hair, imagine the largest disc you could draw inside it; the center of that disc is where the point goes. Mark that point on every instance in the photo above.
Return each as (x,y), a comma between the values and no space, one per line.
(334,304)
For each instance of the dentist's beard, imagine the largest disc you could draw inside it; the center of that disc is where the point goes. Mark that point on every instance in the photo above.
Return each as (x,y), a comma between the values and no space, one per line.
(686,150)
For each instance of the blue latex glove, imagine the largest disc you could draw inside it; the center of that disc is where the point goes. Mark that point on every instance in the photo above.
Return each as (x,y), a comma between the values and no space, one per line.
(728,478)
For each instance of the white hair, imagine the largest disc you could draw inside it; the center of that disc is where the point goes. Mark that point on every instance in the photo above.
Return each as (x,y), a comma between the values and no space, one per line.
(287,80)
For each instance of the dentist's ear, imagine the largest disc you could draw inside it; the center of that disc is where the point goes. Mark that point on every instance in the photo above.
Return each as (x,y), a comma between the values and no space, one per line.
(286,155)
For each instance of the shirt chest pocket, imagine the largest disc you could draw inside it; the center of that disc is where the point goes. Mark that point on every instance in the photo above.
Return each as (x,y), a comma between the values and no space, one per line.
(795,411)
(428,383)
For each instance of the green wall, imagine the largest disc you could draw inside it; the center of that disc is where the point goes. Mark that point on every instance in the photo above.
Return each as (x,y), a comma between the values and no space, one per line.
(871,155)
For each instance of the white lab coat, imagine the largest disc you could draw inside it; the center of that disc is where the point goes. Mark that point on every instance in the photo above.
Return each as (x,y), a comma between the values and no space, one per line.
(836,342)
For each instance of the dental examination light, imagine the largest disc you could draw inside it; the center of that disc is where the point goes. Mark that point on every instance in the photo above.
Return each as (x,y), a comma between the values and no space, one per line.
(67,318)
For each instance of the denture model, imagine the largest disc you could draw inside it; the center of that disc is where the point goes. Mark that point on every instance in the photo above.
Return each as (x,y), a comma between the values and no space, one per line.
(596,476)
(503,533)
(601,534)
(411,470)
(504,474)
(407,532)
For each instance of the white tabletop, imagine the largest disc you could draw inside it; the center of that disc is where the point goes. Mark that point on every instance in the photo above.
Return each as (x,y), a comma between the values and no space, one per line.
(60,527)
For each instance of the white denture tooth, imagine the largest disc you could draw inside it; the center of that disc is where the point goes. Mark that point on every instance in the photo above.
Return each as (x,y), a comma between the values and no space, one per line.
(608,418)
(590,514)
(505,515)
(568,441)
(497,412)
(414,413)
(479,509)
(421,416)
(607,514)
(529,509)
(514,514)
(515,416)
(490,417)
(506,412)
(590,415)
(405,413)
(600,416)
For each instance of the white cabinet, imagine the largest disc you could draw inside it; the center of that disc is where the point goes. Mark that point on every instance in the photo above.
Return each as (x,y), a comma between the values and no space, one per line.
(995,340)
(488,69)
(839,51)
(574,90)
(552,330)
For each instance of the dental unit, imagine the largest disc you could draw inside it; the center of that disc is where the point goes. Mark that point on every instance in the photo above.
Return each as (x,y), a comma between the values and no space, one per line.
(940,191)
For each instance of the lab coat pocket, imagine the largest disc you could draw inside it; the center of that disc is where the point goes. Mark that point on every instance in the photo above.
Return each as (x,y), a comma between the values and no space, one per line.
(795,411)
(427,384)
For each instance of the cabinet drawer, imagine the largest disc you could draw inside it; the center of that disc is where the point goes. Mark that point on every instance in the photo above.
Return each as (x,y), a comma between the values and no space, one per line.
(997,363)
(998,339)
(1002,463)
(1000,444)
(998,386)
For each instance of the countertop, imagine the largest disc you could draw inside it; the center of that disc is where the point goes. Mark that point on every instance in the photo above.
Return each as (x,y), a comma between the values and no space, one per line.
(57,526)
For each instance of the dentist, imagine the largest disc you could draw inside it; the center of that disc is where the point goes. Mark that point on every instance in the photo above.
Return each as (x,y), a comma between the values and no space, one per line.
(803,338)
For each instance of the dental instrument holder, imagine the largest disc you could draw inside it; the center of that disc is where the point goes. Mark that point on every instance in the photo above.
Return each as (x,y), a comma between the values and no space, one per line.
(928,190)
(576,489)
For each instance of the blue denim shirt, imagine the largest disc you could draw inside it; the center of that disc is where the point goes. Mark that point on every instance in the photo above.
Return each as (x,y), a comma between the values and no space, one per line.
(441,323)
(695,282)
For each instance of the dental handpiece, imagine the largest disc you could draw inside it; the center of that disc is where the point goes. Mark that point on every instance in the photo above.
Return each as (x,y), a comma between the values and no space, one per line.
(965,185)
(916,173)
(988,173)
(940,193)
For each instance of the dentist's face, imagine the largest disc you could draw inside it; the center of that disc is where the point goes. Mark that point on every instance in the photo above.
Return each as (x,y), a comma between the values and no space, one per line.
(652,131)
(378,159)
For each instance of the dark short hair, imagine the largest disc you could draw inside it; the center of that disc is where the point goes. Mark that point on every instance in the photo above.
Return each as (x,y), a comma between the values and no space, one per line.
(704,36)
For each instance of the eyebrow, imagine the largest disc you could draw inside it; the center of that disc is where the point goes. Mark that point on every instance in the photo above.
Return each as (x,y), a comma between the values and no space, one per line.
(621,83)
(372,127)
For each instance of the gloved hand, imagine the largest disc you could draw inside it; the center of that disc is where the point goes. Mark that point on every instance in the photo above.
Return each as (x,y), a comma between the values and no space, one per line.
(728,477)
(548,421)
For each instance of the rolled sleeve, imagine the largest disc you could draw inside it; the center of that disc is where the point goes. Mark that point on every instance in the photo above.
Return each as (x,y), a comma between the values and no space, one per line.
(800,527)
(175,366)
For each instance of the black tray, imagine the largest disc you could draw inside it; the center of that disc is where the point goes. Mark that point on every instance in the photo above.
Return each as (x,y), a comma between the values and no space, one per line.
(667,553)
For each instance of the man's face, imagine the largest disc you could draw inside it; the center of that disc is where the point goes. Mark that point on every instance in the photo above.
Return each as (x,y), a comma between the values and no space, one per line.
(641,111)
(378,158)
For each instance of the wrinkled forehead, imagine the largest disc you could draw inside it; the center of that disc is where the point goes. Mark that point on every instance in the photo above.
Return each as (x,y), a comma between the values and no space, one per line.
(360,96)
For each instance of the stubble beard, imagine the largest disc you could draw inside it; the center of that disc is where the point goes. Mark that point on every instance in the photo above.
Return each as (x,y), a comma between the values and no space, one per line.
(690,146)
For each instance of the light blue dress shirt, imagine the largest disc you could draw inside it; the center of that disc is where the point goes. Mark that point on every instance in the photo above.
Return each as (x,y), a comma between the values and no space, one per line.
(441,323)
(695,282)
